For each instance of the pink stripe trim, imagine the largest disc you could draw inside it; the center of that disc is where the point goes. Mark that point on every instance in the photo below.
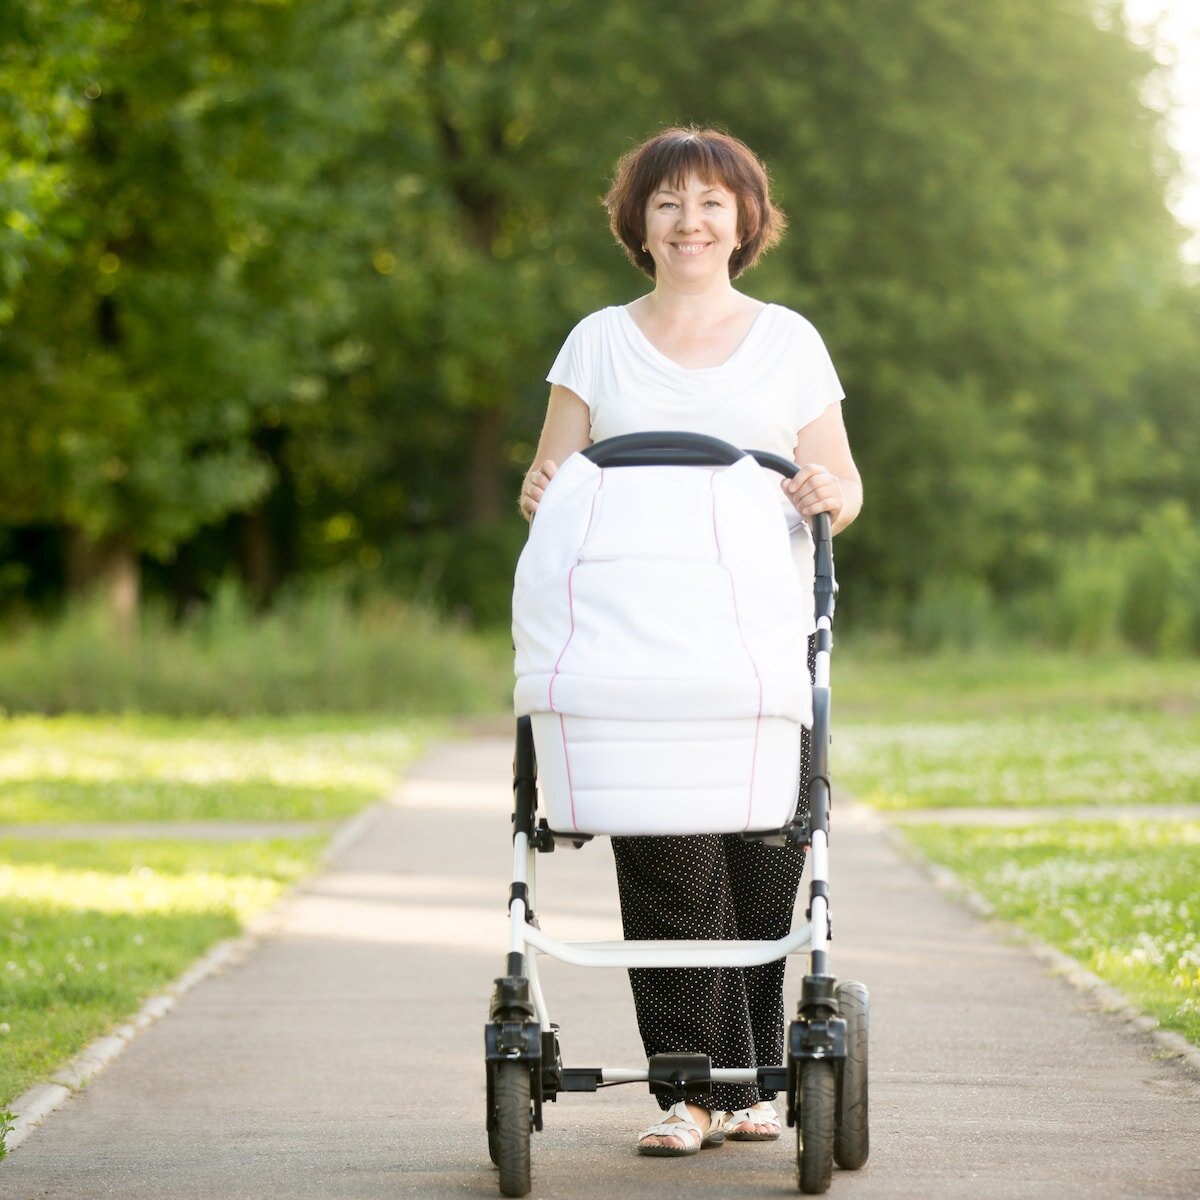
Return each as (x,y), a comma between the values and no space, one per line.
(570,635)
(562,653)
(562,726)
(742,638)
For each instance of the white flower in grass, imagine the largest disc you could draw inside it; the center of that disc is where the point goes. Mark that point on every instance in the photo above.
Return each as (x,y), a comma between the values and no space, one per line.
(5,1027)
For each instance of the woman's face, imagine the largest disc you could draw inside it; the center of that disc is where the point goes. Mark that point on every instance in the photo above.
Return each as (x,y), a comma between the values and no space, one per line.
(691,230)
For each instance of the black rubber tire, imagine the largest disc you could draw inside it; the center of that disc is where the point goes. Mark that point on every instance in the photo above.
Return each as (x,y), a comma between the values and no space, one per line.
(510,1136)
(852,1141)
(815,1128)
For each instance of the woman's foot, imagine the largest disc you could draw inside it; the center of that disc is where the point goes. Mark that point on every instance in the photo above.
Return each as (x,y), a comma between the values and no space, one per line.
(758,1123)
(686,1129)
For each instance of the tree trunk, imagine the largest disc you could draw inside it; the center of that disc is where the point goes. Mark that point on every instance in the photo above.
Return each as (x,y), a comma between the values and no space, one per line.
(486,498)
(260,563)
(110,570)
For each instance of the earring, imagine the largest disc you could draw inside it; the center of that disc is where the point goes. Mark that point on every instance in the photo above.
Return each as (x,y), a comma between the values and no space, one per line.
(738,246)
(644,250)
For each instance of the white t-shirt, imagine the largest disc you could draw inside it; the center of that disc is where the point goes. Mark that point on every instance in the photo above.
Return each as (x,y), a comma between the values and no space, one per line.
(779,379)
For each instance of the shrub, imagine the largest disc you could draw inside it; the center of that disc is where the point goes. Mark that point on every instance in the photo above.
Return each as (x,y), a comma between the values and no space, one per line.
(316,651)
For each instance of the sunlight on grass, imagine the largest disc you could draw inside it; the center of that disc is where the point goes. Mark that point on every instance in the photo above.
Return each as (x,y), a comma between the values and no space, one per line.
(88,931)
(1016,761)
(141,890)
(1118,896)
(138,768)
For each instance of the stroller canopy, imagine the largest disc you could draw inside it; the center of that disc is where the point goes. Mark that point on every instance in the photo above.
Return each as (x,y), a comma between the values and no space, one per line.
(661,633)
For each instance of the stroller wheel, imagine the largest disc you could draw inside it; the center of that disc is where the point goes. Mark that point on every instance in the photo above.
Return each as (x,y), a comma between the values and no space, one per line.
(815,1128)
(508,1140)
(851,1143)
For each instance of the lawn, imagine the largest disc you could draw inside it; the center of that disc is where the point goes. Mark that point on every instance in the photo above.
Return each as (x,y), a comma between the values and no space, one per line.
(1015,730)
(136,768)
(1028,730)
(1118,896)
(90,929)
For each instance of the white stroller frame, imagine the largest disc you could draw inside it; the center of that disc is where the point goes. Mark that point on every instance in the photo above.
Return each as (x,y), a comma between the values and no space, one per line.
(824,1077)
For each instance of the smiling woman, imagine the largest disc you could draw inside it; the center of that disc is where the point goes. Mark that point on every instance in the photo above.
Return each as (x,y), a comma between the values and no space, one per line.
(692,210)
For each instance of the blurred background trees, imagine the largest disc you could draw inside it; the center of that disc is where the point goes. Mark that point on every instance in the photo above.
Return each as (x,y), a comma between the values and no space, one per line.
(280,281)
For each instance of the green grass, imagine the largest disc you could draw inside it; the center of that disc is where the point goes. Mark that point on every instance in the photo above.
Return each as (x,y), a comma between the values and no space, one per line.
(874,681)
(987,730)
(1013,730)
(1119,896)
(61,769)
(88,930)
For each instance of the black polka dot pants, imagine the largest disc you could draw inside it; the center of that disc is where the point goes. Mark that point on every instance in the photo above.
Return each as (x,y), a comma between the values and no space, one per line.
(709,886)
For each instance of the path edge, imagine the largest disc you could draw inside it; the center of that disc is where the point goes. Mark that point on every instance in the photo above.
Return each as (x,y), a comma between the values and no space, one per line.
(1112,1000)
(31,1108)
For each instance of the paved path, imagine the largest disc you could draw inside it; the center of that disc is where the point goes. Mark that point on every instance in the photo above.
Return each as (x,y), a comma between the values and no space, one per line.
(335,1059)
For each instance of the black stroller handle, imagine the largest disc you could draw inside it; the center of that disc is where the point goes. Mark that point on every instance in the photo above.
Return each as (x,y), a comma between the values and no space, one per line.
(676,448)
(663,449)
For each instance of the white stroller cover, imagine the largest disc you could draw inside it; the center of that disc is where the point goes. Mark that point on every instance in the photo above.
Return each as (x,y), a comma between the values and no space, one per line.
(661,634)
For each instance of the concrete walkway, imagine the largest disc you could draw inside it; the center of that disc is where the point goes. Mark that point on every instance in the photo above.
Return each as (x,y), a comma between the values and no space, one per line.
(343,1056)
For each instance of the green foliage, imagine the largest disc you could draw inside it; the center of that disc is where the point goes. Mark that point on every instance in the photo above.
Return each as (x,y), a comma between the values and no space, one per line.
(310,261)
(48,52)
(315,652)
(1120,897)
(953,613)
(1139,589)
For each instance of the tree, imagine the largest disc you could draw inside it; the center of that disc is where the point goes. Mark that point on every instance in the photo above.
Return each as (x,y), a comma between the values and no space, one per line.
(140,366)
(324,250)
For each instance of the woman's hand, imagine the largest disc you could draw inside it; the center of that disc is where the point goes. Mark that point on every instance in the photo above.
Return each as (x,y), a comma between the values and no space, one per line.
(535,486)
(813,489)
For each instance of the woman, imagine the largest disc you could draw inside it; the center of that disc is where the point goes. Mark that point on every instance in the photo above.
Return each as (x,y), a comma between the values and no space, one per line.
(691,208)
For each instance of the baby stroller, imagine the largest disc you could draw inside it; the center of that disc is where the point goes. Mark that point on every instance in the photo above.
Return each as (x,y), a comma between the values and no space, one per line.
(697,518)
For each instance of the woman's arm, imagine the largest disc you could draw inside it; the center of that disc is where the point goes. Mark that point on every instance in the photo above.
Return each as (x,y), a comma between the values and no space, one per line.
(567,428)
(828,480)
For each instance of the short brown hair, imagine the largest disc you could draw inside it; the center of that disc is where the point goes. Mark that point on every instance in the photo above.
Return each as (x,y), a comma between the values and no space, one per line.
(710,155)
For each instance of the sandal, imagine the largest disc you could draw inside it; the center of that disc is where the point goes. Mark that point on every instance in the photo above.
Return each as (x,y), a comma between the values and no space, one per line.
(762,1113)
(683,1128)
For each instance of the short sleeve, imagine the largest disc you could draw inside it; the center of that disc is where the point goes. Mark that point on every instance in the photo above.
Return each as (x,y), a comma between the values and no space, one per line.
(821,386)
(575,366)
